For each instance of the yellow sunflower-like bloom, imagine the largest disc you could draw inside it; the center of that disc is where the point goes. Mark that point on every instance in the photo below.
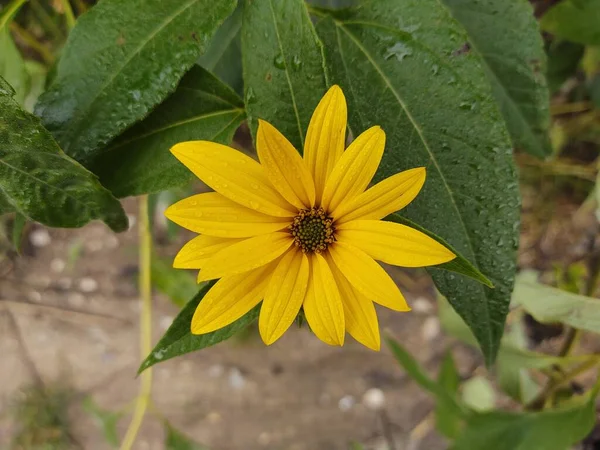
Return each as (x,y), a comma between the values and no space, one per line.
(300,232)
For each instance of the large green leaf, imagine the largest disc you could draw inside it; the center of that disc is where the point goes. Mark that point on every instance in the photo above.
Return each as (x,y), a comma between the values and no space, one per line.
(179,340)
(284,75)
(505,33)
(121,59)
(43,184)
(574,20)
(434,102)
(223,56)
(547,430)
(547,304)
(139,161)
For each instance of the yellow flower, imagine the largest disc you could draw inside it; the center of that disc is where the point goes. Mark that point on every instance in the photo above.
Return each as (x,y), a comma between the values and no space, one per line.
(300,232)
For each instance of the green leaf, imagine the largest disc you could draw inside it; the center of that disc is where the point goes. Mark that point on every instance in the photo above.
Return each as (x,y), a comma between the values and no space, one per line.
(178,285)
(478,393)
(509,354)
(139,161)
(284,76)
(547,430)
(42,183)
(178,340)
(505,33)
(12,66)
(107,420)
(514,379)
(122,58)
(37,74)
(174,440)
(223,56)
(416,372)
(401,67)
(446,422)
(574,20)
(459,265)
(356,446)
(17,231)
(547,305)
(333,3)
(563,60)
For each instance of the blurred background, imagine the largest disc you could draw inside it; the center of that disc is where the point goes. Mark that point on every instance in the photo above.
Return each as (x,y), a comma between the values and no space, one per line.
(69,304)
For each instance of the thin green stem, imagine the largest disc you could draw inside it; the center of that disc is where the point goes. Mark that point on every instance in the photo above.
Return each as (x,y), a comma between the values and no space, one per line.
(68,14)
(10,12)
(46,20)
(33,43)
(552,386)
(81,6)
(570,108)
(143,398)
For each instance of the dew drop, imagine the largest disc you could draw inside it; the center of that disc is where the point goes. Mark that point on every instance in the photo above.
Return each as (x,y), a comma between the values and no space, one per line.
(296,62)
(279,61)
(400,50)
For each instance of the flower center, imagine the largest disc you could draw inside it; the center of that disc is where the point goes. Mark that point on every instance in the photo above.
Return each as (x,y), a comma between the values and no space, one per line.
(312,230)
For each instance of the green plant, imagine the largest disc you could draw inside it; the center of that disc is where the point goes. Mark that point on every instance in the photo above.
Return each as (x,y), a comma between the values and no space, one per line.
(89,111)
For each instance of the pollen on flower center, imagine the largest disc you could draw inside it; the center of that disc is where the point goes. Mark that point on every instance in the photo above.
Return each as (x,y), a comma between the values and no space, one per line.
(312,230)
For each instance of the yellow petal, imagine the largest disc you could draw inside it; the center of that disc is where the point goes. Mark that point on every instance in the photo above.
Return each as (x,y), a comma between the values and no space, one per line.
(355,168)
(386,197)
(367,276)
(359,313)
(246,255)
(323,305)
(196,252)
(326,137)
(215,215)
(394,243)
(234,175)
(229,299)
(284,296)
(284,166)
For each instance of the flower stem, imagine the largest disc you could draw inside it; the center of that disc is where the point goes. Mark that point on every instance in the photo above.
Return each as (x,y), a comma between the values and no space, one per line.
(69,16)
(143,398)
(32,42)
(550,388)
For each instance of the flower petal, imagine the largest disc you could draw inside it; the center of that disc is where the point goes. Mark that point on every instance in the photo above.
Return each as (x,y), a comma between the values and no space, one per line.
(355,168)
(246,255)
(394,243)
(323,305)
(234,175)
(359,312)
(196,252)
(386,197)
(229,299)
(284,296)
(326,137)
(284,166)
(214,215)
(367,276)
